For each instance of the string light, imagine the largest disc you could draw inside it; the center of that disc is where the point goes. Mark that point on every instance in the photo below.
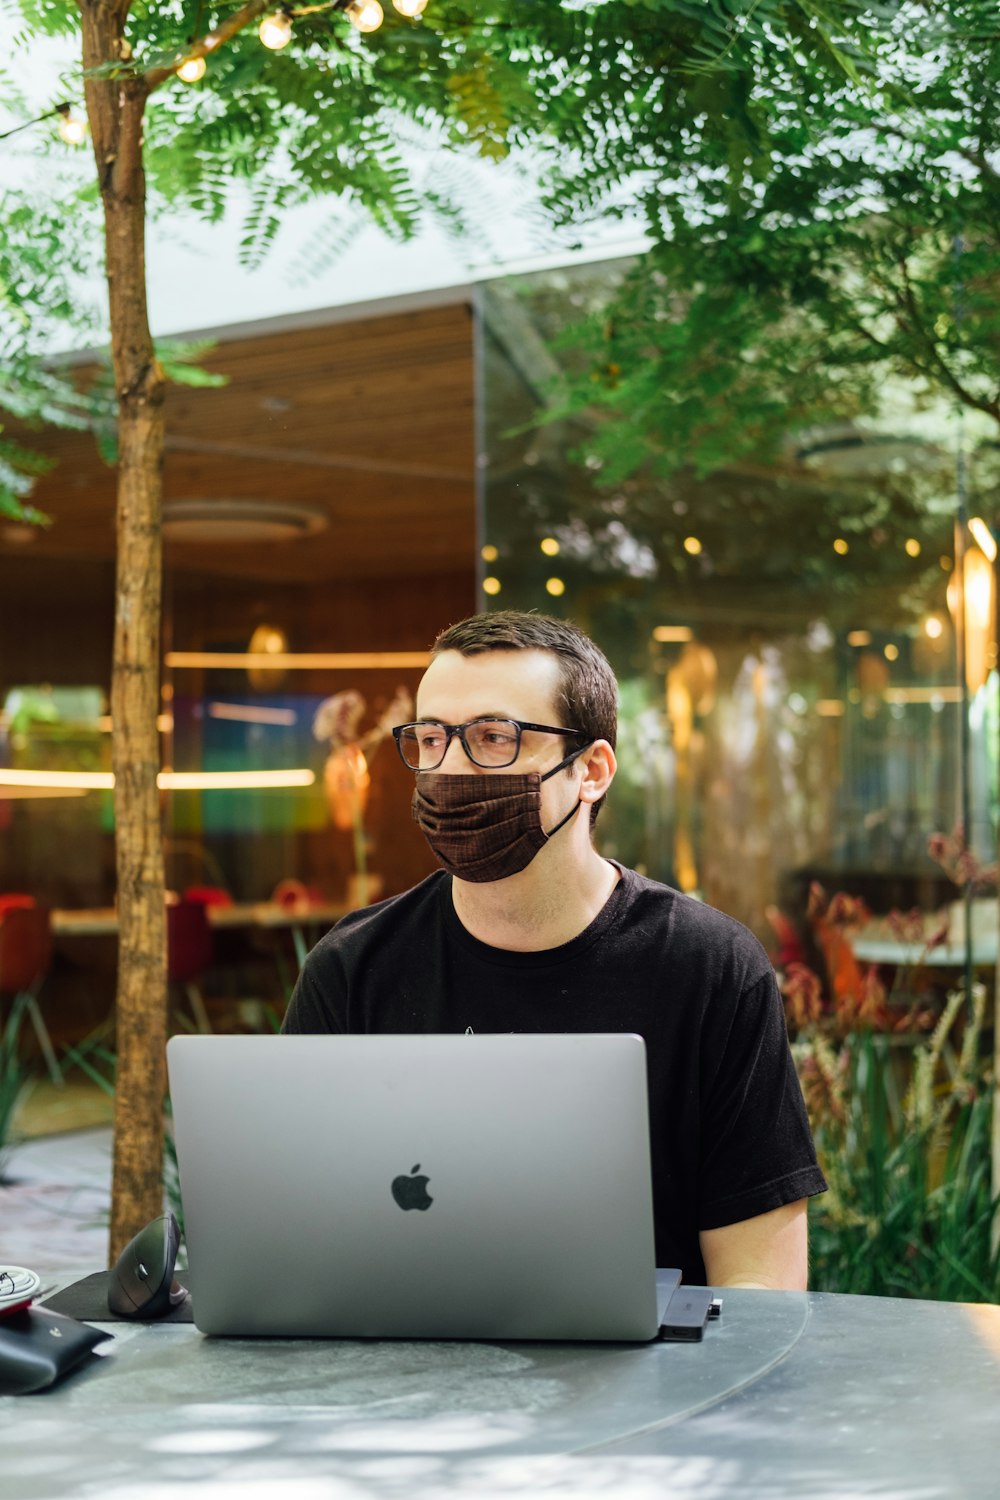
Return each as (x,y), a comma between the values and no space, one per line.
(366,15)
(192,70)
(276,31)
(72,129)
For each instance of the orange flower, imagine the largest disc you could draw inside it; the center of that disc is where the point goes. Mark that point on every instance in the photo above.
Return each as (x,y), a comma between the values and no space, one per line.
(803,993)
(847,911)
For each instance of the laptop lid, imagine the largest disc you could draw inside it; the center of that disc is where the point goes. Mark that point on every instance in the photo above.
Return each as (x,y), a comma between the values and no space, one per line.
(488,1186)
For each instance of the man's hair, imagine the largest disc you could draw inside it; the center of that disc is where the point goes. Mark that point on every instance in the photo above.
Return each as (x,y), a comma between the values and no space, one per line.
(588,691)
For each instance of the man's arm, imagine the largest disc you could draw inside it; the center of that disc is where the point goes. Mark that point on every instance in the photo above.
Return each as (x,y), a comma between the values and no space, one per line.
(769,1251)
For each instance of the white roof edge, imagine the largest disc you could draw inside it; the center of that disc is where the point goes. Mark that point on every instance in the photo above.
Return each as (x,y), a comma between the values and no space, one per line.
(345,312)
(403,302)
(393,304)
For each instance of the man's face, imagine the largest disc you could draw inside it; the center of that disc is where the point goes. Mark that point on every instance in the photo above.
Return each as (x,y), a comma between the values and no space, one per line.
(521,685)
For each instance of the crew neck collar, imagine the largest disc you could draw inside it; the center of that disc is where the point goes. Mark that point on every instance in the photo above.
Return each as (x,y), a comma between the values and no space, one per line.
(536,958)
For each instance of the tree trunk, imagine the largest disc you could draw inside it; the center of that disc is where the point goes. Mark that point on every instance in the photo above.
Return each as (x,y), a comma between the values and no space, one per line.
(115,110)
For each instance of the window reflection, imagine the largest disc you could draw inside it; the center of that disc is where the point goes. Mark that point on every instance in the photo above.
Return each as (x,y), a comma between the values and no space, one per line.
(782,633)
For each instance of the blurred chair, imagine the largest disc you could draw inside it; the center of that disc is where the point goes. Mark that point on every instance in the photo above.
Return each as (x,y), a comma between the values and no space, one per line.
(208,895)
(15,901)
(189,953)
(25,959)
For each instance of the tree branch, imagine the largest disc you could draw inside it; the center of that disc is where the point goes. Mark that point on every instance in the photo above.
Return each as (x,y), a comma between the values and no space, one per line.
(978,403)
(236,23)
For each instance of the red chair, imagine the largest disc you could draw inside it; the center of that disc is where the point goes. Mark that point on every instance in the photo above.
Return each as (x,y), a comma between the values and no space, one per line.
(189,953)
(25,959)
(208,895)
(14,901)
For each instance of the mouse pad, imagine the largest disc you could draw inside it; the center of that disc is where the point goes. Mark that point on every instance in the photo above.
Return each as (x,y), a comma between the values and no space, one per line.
(88,1301)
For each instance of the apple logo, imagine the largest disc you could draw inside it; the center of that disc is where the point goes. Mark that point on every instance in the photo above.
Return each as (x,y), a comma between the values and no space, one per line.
(411,1192)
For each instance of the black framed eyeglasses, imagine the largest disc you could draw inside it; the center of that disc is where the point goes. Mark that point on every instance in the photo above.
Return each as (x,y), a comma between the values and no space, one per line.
(488,742)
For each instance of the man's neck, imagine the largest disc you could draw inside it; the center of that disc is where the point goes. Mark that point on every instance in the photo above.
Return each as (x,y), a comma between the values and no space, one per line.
(539,908)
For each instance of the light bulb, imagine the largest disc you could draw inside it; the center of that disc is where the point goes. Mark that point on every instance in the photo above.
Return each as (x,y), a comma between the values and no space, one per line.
(72,129)
(192,70)
(276,31)
(366,15)
(410,8)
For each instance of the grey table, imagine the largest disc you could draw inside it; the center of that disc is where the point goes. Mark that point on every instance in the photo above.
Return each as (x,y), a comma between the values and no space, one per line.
(808,1396)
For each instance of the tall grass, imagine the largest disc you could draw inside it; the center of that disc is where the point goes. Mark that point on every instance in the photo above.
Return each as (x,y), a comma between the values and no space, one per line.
(15,1078)
(99,1064)
(903,1134)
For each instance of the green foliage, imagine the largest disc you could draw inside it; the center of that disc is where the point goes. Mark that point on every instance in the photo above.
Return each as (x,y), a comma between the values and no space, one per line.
(322,118)
(909,1211)
(15,1081)
(851,236)
(181,362)
(99,1064)
(41,253)
(804,169)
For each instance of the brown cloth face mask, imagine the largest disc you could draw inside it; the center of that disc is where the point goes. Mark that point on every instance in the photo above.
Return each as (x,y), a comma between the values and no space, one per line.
(485,827)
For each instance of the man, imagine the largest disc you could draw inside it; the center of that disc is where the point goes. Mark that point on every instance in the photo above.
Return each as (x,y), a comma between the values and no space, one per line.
(529,929)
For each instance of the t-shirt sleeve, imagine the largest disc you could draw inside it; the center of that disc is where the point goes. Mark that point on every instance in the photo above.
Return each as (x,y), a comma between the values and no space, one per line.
(316,1004)
(757,1147)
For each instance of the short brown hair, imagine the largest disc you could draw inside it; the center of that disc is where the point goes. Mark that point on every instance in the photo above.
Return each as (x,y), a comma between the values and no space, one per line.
(588,689)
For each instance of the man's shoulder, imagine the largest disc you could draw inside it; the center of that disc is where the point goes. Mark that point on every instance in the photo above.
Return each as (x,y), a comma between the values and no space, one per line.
(691,924)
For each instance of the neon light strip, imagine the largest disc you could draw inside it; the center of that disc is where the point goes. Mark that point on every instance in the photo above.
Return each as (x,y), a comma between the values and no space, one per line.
(88,781)
(294,661)
(219,780)
(31,793)
(101,781)
(247,713)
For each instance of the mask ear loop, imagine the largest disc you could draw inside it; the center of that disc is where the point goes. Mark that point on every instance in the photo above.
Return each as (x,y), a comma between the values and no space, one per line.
(566,761)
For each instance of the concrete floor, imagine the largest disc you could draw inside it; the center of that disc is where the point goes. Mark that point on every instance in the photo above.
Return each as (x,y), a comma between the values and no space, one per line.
(55,1197)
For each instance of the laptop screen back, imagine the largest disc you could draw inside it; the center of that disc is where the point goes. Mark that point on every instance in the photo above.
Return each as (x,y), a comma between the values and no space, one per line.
(489,1186)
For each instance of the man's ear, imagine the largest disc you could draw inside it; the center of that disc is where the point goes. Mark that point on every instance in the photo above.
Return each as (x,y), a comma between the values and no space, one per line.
(599,766)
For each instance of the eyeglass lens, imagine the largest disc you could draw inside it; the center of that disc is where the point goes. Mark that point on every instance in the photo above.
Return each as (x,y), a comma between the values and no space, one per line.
(489,742)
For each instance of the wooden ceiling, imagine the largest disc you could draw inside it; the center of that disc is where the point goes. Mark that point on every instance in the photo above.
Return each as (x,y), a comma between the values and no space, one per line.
(369,420)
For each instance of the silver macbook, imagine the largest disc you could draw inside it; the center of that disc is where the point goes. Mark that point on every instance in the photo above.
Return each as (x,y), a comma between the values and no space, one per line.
(487,1187)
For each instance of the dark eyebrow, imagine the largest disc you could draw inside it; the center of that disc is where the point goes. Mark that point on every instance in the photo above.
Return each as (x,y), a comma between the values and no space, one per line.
(489,714)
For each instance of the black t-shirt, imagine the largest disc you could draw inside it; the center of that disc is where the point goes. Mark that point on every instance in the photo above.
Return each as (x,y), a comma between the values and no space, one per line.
(729,1133)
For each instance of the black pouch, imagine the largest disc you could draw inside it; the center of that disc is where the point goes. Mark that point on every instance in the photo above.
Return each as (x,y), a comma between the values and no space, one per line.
(38,1347)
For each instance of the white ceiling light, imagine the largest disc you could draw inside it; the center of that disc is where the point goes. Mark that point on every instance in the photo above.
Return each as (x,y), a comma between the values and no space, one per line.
(228,521)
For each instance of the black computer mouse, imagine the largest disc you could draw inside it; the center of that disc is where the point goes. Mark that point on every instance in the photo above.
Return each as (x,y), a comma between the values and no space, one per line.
(141,1282)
